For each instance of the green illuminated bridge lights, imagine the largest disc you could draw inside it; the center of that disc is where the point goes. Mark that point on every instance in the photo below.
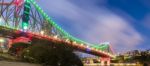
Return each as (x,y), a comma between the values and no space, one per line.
(35,21)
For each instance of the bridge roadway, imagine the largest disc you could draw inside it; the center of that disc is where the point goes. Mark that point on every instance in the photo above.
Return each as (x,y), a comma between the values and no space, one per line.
(5,32)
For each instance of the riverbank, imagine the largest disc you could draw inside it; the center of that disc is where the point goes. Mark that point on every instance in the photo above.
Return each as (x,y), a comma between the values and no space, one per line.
(7,63)
(7,60)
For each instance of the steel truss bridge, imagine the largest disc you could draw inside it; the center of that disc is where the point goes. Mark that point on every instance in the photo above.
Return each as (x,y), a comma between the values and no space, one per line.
(17,16)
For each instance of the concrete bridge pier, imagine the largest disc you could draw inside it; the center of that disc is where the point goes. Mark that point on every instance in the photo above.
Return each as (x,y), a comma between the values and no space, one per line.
(105,61)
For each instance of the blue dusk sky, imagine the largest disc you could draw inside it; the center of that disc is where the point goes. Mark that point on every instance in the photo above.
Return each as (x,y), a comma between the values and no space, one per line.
(123,23)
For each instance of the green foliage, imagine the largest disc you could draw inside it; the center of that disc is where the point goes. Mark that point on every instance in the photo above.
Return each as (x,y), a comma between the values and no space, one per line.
(16,48)
(53,55)
(134,56)
(143,57)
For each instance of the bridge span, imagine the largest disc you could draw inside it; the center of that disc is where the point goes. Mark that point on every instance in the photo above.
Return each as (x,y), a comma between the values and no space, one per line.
(25,18)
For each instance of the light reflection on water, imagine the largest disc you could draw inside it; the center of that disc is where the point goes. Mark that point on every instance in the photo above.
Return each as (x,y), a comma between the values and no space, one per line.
(116,64)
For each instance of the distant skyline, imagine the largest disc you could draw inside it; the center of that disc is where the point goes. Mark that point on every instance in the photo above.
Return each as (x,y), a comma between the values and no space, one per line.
(123,23)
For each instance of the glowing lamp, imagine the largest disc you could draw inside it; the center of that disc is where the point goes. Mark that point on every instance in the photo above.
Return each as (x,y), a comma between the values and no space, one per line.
(25,25)
(87,46)
(42,32)
(55,36)
(82,44)
(74,42)
(67,40)
(1,40)
(18,2)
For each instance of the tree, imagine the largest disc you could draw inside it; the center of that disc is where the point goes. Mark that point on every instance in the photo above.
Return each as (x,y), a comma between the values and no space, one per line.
(52,55)
(142,58)
(17,48)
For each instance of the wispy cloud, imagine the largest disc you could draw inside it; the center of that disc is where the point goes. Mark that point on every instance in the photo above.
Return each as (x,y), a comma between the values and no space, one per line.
(94,23)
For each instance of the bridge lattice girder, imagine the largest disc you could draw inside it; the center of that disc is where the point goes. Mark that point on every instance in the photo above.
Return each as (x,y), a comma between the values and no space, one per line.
(11,15)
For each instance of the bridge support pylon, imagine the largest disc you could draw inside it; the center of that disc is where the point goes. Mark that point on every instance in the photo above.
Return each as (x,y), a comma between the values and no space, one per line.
(105,61)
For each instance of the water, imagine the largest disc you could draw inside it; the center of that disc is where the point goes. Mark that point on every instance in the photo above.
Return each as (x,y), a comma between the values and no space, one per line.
(114,64)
